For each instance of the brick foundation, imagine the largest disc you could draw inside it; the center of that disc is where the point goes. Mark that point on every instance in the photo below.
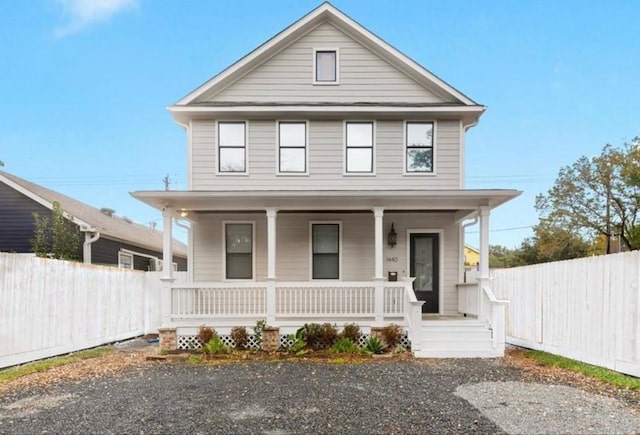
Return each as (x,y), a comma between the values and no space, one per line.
(270,339)
(168,339)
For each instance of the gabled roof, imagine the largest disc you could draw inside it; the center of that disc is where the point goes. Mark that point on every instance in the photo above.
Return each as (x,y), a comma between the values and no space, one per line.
(85,216)
(324,13)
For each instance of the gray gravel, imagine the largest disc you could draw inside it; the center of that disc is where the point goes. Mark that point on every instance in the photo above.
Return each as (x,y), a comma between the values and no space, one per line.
(447,396)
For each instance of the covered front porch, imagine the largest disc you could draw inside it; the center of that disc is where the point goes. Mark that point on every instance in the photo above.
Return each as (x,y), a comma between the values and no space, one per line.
(376,283)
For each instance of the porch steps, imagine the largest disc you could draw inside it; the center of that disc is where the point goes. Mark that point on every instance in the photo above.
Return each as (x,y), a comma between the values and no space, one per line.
(449,338)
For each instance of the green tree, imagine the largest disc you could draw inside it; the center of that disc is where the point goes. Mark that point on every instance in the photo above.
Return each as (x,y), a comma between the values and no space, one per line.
(552,243)
(597,196)
(57,237)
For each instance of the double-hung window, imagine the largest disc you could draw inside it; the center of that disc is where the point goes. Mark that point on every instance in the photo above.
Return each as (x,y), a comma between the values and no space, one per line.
(359,147)
(238,242)
(325,64)
(325,249)
(419,147)
(292,147)
(232,147)
(125,260)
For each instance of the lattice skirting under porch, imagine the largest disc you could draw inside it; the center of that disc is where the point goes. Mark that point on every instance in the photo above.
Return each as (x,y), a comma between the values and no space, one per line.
(190,342)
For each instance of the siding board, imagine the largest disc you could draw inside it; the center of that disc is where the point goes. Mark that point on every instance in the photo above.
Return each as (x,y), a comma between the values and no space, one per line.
(289,75)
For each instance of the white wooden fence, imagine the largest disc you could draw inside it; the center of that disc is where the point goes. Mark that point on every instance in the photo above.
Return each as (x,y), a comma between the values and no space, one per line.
(50,307)
(586,309)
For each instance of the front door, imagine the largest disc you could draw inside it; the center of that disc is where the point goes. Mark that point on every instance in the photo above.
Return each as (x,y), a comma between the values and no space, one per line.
(424,266)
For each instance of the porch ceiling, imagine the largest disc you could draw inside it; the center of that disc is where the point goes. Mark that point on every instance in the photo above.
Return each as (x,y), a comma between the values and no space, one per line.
(464,201)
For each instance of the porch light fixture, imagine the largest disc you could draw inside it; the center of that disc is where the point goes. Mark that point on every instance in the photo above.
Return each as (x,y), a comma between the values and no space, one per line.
(184,213)
(392,237)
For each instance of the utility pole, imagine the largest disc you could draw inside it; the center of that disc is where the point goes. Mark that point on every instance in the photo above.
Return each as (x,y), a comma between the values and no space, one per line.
(166,182)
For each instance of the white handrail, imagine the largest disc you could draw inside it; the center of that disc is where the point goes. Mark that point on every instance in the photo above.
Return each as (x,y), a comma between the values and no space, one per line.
(492,297)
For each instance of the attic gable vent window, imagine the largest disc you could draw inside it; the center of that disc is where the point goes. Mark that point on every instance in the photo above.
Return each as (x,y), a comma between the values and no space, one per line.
(325,66)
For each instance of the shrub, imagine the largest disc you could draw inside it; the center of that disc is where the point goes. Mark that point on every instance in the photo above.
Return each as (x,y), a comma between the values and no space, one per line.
(328,334)
(345,345)
(205,334)
(297,342)
(215,346)
(240,337)
(374,345)
(311,334)
(391,334)
(257,331)
(351,331)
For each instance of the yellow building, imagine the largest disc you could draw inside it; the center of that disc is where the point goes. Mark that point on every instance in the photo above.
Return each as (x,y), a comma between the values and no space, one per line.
(471,256)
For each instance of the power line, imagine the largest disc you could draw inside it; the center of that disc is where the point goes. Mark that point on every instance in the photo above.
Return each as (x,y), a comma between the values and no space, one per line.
(504,229)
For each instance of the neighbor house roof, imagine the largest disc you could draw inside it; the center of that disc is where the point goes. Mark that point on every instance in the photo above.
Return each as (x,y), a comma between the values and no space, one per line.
(87,217)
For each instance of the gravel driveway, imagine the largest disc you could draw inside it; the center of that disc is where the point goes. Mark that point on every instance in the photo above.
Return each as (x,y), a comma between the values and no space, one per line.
(443,396)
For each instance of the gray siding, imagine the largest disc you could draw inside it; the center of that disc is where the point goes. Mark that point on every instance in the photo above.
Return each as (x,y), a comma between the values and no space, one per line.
(363,76)
(293,262)
(326,156)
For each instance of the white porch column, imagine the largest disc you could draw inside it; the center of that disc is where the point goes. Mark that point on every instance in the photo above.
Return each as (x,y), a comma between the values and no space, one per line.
(378,301)
(484,261)
(167,269)
(378,213)
(271,264)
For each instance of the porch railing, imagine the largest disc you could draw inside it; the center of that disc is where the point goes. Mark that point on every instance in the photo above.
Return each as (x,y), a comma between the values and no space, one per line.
(305,300)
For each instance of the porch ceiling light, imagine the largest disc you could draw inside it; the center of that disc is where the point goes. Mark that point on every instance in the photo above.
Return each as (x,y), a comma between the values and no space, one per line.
(392,237)
(184,213)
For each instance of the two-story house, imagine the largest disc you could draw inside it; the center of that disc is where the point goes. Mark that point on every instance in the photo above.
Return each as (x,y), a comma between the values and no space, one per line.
(326,183)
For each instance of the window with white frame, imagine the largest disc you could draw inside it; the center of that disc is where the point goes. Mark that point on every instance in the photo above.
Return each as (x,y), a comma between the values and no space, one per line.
(292,147)
(325,249)
(325,66)
(419,147)
(125,260)
(238,250)
(359,147)
(232,147)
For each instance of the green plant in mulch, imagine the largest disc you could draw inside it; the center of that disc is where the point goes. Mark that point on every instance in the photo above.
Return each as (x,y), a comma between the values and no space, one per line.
(374,345)
(391,335)
(215,346)
(609,376)
(257,331)
(240,337)
(205,334)
(345,345)
(351,331)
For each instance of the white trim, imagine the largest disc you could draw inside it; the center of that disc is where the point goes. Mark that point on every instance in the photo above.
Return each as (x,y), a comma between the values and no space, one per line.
(224,249)
(434,148)
(373,148)
(328,109)
(461,134)
(125,254)
(324,12)
(340,250)
(314,80)
(138,254)
(306,147)
(440,233)
(246,148)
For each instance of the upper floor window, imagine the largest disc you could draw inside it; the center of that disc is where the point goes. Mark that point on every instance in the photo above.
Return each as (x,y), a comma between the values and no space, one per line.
(292,147)
(359,147)
(325,62)
(232,147)
(238,244)
(419,147)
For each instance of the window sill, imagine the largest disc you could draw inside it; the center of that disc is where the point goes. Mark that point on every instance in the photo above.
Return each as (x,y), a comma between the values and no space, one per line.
(326,84)
(358,174)
(419,174)
(233,174)
(292,174)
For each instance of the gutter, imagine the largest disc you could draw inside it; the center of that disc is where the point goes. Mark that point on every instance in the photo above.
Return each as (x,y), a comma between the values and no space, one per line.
(90,236)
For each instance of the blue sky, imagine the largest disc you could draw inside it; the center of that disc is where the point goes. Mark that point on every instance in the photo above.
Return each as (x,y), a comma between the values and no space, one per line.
(85,85)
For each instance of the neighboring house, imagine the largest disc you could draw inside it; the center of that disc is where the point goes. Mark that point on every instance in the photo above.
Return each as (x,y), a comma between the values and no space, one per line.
(323,166)
(105,238)
(471,256)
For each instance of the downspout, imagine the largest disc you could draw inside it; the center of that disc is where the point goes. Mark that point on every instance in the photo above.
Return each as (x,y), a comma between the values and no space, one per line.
(462,239)
(90,236)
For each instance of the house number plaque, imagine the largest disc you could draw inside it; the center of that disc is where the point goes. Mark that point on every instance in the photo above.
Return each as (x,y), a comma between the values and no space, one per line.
(392,259)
